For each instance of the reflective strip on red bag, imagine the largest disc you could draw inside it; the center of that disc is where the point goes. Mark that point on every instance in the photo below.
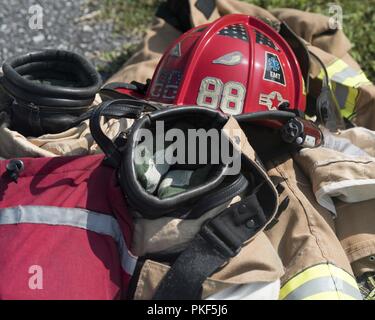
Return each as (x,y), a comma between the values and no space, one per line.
(73,217)
(65,231)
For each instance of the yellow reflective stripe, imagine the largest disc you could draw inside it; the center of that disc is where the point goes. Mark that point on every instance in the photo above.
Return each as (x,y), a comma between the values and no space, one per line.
(318,271)
(332,295)
(350,102)
(304,89)
(345,98)
(336,67)
(343,275)
(341,73)
(315,272)
(355,78)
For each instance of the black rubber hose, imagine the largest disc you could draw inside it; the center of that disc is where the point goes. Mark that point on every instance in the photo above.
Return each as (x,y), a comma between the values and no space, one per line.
(18,70)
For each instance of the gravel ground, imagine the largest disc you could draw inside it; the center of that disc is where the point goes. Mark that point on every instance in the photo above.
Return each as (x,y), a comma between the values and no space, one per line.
(69,25)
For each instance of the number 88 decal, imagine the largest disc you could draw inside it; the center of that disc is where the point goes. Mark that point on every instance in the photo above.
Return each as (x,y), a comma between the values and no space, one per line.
(231,94)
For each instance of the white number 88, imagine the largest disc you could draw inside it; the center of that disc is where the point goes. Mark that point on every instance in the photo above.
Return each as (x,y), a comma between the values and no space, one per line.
(212,89)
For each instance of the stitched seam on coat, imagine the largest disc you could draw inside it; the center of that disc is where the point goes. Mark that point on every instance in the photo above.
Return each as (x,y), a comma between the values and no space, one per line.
(305,211)
(141,283)
(353,249)
(329,162)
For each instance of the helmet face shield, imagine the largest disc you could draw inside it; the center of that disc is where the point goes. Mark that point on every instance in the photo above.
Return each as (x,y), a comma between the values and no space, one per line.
(163,171)
(237,64)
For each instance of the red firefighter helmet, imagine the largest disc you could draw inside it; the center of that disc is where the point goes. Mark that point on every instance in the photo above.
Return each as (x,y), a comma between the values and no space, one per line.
(237,64)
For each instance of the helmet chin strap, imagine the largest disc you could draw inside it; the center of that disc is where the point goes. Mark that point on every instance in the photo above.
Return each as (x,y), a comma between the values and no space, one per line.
(328,112)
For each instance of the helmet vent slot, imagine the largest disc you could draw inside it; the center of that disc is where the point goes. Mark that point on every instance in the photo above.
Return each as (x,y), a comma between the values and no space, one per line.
(263,39)
(236,31)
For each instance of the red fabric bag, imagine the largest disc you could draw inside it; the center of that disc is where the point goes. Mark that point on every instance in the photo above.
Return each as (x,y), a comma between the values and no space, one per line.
(64,231)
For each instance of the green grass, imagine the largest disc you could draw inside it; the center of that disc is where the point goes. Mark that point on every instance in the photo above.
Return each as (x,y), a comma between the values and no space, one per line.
(113,60)
(130,15)
(135,16)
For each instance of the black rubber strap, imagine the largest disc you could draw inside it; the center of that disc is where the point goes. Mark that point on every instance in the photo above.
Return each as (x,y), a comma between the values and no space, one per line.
(220,239)
(109,91)
(265,115)
(184,280)
(121,108)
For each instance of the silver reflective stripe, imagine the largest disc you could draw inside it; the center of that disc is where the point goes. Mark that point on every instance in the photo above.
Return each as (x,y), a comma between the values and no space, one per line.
(344,74)
(324,284)
(341,94)
(73,217)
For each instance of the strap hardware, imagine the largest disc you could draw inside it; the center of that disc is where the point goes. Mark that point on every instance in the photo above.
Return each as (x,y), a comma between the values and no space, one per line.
(230,229)
(14,167)
(226,249)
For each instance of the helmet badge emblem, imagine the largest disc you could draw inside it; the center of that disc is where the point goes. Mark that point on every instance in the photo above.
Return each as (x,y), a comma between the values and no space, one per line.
(229,59)
(272,100)
(273,70)
(176,51)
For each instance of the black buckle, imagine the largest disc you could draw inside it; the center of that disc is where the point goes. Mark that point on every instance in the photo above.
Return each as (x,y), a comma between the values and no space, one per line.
(293,132)
(235,225)
(209,234)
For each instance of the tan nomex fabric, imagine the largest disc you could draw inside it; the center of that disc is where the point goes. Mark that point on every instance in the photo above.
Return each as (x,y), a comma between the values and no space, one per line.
(256,263)
(305,239)
(333,174)
(168,234)
(303,232)
(75,141)
(360,137)
(314,28)
(355,228)
(342,175)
